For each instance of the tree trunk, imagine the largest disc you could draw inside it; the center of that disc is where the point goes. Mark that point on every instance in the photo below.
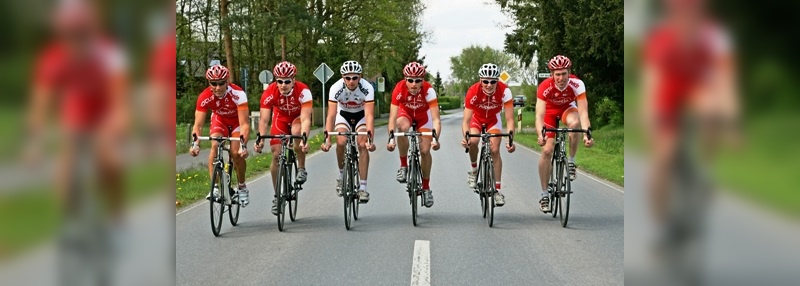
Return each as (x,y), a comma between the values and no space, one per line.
(226,34)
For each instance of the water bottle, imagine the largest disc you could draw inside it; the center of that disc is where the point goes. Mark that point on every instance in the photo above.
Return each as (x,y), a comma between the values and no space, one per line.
(225,185)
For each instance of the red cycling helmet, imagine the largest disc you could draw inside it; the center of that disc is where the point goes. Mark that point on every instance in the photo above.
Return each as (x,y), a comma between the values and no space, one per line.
(559,62)
(284,69)
(217,72)
(414,69)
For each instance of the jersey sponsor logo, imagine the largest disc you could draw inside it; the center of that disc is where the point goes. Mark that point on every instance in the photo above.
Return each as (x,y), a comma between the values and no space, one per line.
(364,90)
(289,109)
(561,101)
(205,102)
(414,105)
(352,104)
(267,100)
(573,84)
(225,112)
(235,97)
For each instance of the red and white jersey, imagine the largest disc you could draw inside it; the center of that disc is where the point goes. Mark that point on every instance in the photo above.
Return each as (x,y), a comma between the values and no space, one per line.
(81,83)
(226,106)
(555,97)
(487,107)
(420,103)
(286,106)
(351,100)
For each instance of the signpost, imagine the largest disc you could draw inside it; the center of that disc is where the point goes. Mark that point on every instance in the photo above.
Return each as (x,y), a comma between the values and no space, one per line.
(323,73)
(504,77)
(265,77)
(544,74)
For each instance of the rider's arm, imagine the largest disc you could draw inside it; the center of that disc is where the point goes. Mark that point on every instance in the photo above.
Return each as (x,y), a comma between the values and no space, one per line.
(392,117)
(437,124)
(369,112)
(583,110)
(332,107)
(305,117)
(199,119)
(466,120)
(508,109)
(265,114)
(244,121)
(541,106)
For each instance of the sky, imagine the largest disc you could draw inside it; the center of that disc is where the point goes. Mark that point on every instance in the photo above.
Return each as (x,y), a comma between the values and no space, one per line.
(454,27)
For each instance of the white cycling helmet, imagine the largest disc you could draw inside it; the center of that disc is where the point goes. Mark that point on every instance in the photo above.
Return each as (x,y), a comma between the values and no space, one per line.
(489,70)
(350,67)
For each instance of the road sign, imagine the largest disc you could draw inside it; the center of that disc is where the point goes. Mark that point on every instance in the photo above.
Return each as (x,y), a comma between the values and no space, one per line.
(504,77)
(265,77)
(544,75)
(323,73)
(381,84)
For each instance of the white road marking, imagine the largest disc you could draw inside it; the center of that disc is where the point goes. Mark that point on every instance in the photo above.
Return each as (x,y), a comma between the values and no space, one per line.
(421,269)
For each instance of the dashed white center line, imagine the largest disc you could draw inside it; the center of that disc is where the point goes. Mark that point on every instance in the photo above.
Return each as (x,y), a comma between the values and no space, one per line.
(421,268)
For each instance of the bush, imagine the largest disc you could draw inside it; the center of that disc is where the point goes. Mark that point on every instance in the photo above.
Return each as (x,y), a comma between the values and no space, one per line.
(607,112)
(449,102)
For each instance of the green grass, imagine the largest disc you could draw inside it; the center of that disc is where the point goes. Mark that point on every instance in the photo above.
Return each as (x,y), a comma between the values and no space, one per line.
(30,216)
(193,184)
(605,159)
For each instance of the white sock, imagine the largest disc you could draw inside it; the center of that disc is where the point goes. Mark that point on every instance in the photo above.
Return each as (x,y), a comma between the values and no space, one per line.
(363,186)
(545,194)
(341,171)
(572,160)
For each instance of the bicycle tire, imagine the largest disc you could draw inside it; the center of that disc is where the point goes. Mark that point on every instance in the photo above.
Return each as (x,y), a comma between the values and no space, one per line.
(281,198)
(412,190)
(292,194)
(347,190)
(233,209)
(356,200)
(490,191)
(560,187)
(217,207)
(565,197)
(554,166)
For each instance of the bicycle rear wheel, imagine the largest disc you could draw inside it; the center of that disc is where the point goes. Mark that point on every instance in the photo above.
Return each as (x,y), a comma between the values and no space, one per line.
(217,206)
(233,209)
(282,194)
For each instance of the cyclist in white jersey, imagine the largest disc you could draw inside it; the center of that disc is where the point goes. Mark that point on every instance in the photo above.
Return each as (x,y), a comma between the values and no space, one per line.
(351,104)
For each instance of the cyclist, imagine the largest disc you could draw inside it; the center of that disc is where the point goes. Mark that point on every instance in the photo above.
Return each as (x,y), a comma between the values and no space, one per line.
(558,96)
(351,104)
(413,100)
(229,105)
(483,102)
(292,103)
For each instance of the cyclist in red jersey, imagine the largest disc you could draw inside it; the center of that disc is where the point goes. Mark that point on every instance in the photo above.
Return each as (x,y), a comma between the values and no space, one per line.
(483,103)
(82,73)
(561,95)
(688,68)
(229,105)
(292,104)
(413,100)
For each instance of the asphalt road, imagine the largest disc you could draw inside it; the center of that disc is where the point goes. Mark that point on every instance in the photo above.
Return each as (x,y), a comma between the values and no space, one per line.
(451,245)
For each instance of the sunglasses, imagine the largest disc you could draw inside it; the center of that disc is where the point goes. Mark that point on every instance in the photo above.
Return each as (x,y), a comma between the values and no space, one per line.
(288,81)
(217,83)
(412,80)
(350,78)
(486,81)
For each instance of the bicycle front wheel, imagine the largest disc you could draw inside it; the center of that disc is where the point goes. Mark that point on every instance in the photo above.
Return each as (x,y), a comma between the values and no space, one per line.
(295,187)
(217,206)
(233,209)
(566,188)
(412,187)
(347,195)
(356,201)
(282,195)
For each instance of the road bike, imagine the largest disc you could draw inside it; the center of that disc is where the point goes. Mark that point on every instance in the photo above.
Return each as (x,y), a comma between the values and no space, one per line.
(350,177)
(485,177)
(559,185)
(222,197)
(288,189)
(414,174)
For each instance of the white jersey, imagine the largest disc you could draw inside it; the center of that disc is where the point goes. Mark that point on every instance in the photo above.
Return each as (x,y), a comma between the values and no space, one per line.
(351,100)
